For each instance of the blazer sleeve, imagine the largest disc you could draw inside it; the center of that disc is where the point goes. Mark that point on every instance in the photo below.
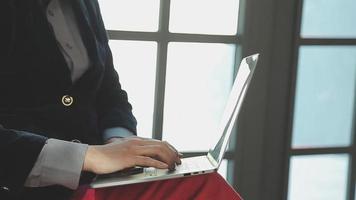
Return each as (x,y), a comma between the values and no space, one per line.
(18,149)
(112,102)
(18,153)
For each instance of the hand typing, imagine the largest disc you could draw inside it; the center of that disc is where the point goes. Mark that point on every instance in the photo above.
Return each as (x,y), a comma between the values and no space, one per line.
(121,153)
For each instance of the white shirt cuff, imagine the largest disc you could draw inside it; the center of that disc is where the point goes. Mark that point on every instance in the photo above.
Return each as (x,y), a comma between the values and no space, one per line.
(59,163)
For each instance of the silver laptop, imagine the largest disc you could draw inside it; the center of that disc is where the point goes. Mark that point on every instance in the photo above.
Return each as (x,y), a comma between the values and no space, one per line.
(199,164)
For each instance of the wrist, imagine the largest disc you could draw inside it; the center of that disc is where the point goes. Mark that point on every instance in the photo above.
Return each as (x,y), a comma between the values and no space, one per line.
(112,139)
(89,160)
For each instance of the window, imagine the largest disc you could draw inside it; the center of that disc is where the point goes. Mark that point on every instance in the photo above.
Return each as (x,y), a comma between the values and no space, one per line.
(322,156)
(177,61)
(296,131)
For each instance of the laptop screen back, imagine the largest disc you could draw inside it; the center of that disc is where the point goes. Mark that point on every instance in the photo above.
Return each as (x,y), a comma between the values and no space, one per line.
(233,106)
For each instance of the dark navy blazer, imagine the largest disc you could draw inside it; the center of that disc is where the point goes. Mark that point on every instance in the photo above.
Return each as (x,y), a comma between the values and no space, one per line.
(33,79)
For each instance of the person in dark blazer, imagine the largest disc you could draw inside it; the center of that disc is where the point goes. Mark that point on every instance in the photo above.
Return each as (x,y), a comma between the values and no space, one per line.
(63,113)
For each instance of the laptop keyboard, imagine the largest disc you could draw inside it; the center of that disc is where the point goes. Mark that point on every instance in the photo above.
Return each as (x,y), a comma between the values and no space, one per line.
(150,171)
(188,165)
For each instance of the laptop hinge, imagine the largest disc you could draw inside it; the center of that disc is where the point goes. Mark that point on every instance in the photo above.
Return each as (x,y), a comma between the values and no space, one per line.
(212,160)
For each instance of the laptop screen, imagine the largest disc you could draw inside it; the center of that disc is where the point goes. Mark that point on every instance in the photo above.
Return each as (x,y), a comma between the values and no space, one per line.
(233,106)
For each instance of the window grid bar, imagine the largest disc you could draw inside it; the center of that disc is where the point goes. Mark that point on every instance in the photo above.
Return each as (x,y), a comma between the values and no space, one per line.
(132,35)
(171,37)
(157,127)
(326,41)
(328,150)
(179,37)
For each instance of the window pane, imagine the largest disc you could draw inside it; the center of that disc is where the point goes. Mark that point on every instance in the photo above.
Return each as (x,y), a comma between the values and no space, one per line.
(204,16)
(324,103)
(136,65)
(132,15)
(199,79)
(329,19)
(318,177)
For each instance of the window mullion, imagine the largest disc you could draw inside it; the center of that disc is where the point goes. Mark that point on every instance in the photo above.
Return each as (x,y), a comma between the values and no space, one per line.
(298,22)
(161,69)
